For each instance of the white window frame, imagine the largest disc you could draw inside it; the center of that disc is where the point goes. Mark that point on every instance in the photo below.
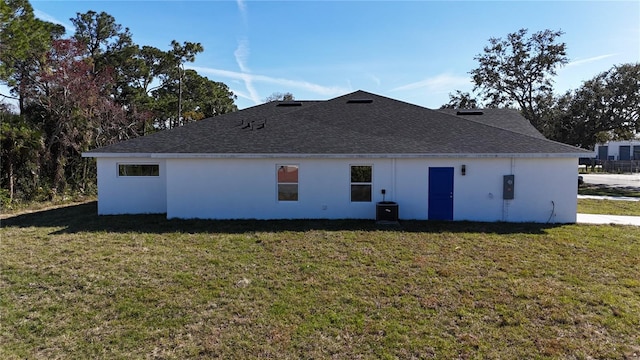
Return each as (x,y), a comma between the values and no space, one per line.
(278,183)
(360,183)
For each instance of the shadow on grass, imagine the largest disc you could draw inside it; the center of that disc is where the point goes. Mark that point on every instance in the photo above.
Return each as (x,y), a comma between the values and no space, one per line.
(84,218)
(604,190)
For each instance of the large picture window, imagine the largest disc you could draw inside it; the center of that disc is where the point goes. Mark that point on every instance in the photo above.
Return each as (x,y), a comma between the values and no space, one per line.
(361,183)
(287,182)
(138,170)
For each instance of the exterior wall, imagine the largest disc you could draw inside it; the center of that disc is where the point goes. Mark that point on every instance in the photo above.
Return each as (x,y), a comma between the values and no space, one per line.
(614,148)
(545,189)
(130,194)
(478,194)
(247,188)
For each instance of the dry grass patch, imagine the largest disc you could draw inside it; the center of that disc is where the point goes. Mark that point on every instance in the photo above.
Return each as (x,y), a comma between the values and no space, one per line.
(75,285)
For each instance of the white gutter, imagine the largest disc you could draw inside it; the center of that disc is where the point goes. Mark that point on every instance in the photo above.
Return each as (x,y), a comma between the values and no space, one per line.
(330,156)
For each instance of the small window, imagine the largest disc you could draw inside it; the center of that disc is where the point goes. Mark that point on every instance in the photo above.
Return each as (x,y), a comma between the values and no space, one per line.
(361,183)
(287,182)
(138,170)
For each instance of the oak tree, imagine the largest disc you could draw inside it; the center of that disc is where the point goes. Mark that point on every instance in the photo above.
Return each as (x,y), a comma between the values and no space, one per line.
(518,70)
(604,108)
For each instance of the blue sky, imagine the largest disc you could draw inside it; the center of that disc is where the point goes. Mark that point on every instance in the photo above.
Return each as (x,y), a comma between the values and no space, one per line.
(417,51)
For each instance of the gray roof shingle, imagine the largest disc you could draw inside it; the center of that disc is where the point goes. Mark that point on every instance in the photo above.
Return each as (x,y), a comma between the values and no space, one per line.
(509,119)
(340,126)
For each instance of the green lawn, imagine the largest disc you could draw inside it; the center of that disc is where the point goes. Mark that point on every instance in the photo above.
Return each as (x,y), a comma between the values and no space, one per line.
(609,207)
(75,285)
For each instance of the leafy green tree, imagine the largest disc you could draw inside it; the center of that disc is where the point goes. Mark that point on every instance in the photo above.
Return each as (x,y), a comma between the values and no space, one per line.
(208,97)
(610,102)
(178,56)
(102,37)
(603,108)
(20,146)
(109,48)
(558,120)
(149,64)
(24,42)
(202,98)
(183,95)
(518,71)
(90,90)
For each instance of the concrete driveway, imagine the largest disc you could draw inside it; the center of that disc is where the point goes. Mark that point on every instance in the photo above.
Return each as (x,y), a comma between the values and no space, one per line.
(615,180)
(608,219)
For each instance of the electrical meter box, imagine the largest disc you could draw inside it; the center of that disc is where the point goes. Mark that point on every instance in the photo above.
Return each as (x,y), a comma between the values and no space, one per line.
(507,187)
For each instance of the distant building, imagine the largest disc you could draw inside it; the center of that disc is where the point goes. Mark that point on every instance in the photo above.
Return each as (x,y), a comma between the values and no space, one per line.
(618,150)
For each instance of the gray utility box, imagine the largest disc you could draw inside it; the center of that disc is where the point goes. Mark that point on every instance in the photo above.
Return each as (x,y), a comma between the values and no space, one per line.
(387,211)
(508,185)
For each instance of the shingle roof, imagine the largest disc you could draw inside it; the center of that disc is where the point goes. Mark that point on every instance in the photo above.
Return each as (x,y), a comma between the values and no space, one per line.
(509,119)
(345,125)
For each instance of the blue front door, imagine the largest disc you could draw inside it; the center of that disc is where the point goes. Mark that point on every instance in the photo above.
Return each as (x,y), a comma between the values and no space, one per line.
(440,193)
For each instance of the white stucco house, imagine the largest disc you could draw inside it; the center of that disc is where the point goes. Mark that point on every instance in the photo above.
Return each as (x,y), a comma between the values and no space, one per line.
(337,158)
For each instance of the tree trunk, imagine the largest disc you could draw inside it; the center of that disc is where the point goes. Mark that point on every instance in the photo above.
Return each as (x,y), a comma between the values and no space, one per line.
(84,174)
(59,180)
(11,181)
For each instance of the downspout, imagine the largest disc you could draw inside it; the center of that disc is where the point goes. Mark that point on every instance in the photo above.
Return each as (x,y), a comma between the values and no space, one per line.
(393,178)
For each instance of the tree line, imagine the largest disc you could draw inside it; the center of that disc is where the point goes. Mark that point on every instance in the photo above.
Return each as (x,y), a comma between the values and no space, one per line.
(517,72)
(90,89)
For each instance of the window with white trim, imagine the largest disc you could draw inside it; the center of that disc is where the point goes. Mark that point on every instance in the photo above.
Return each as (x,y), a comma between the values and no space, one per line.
(361,185)
(138,170)
(287,182)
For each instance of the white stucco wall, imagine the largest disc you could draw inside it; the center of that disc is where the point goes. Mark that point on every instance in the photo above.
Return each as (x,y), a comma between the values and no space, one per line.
(545,189)
(130,194)
(247,188)
(478,194)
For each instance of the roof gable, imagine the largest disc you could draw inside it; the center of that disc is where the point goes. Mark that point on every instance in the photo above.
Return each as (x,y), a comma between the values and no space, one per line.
(356,123)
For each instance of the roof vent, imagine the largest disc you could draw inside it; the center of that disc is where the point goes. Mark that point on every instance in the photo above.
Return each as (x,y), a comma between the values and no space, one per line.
(359,101)
(289,103)
(253,125)
(469,112)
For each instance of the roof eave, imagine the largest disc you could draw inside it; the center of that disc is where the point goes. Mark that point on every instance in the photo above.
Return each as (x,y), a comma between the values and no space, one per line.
(332,156)
(118,155)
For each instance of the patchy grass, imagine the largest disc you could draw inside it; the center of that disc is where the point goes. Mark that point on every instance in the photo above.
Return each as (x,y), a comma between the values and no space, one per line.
(75,285)
(609,207)
(604,190)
